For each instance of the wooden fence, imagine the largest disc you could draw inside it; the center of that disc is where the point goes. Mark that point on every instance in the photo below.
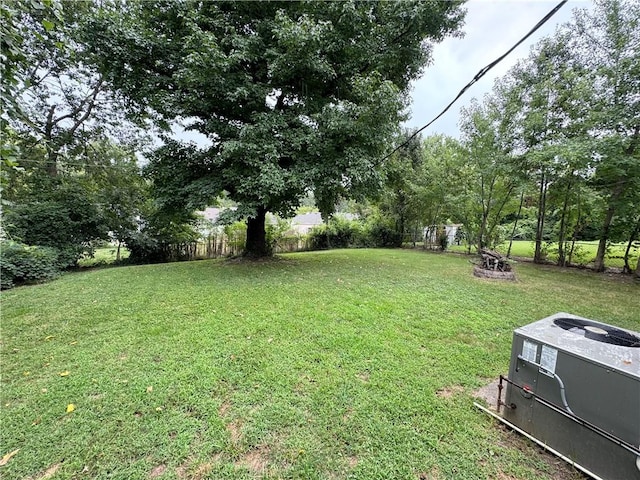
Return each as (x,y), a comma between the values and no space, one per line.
(222,245)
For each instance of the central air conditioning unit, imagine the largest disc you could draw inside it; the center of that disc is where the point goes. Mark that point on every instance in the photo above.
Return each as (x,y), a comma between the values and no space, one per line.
(574,387)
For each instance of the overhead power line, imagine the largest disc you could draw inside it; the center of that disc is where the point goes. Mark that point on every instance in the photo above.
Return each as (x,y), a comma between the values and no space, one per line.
(477,77)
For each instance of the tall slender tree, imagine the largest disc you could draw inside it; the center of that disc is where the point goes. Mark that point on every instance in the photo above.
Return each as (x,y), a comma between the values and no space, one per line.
(608,42)
(492,170)
(549,95)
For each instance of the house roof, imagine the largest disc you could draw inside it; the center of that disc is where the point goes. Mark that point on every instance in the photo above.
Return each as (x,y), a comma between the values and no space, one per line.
(312,218)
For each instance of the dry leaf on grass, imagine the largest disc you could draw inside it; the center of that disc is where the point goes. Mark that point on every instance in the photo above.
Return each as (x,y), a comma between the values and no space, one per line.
(5,459)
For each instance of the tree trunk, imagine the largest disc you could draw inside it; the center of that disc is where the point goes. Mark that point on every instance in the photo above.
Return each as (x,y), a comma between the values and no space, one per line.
(542,199)
(118,252)
(576,230)
(256,244)
(401,229)
(490,230)
(515,224)
(632,237)
(486,207)
(482,233)
(402,220)
(562,251)
(606,227)
(615,195)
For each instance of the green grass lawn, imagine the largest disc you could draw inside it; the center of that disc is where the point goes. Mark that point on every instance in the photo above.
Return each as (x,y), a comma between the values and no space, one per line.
(584,254)
(103,256)
(356,364)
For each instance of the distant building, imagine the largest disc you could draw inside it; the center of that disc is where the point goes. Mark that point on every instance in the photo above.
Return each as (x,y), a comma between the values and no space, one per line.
(300,224)
(431,233)
(303,223)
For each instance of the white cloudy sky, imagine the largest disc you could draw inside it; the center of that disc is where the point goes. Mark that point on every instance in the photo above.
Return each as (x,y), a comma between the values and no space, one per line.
(491,28)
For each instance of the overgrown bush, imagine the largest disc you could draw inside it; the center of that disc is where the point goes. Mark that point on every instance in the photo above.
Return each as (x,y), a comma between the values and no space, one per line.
(343,232)
(22,264)
(377,231)
(236,236)
(579,255)
(276,233)
(162,238)
(381,232)
(337,233)
(66,219)
(319,237)
(443,239)
(145,248)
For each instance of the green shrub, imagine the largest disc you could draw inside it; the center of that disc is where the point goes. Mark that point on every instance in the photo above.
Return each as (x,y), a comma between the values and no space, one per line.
(162,237)
(443,239)
(20,264)
(67,221)
(343,233)
(276,233)
(319,237)
(381,232)
(236,236)
(338,233)
(145,248)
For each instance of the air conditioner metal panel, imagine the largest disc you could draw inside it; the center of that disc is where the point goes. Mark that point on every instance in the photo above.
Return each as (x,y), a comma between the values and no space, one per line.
(578,371)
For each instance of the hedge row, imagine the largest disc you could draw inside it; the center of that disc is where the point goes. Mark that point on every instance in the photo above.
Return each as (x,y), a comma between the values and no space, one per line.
(23,264)
(343,233)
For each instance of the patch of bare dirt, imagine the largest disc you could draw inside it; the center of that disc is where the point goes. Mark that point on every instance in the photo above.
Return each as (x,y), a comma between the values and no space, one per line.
(256,460)
(449,392)
(347,414)
(202,471)
(512,440)
(504,476)
(224,408)
(363,376)
(157,471)
(234,427)
(433,474)
(182,471)
(560,470)
(489,393)
(235,431)
(48,473)
(191,471)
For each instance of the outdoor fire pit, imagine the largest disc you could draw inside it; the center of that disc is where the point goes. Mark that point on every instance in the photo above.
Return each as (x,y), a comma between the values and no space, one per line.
(493,265)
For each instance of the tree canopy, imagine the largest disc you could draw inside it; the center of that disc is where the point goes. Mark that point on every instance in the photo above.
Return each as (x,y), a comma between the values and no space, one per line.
(294,96)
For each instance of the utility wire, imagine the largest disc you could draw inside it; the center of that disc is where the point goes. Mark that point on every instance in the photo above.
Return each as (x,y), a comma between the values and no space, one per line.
(477,77)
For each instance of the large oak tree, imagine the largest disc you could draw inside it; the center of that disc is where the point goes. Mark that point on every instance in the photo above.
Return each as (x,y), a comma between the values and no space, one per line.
(294,96)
